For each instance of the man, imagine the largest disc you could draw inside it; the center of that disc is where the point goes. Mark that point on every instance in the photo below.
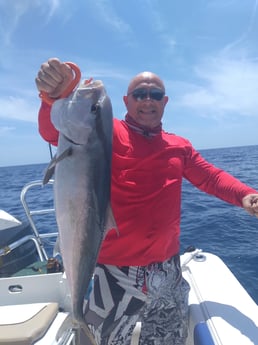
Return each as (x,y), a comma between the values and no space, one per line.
(138,275)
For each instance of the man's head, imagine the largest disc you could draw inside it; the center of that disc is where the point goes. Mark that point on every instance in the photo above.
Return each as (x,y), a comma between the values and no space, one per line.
(145,100)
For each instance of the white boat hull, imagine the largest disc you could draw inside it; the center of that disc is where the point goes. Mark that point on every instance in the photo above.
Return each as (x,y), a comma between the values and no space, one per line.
(221,310)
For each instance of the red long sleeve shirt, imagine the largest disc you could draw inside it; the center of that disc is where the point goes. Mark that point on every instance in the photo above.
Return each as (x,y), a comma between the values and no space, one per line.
(147,175)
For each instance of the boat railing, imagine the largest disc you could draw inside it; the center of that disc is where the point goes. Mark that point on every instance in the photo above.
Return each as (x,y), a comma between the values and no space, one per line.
(37,212)
(7,249)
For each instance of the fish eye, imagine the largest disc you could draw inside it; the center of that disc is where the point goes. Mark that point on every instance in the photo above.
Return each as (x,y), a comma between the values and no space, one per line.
(94,108)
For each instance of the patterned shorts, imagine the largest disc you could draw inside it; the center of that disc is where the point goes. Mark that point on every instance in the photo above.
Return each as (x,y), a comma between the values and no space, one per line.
(155,295)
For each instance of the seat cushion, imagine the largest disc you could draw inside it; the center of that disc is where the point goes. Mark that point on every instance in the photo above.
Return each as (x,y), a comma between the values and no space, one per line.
(25,324)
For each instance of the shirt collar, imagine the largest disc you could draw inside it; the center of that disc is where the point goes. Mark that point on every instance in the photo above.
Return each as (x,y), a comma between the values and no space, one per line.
(145,131)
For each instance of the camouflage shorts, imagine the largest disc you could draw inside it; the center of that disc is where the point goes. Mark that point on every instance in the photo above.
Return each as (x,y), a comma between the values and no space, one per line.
(156,295)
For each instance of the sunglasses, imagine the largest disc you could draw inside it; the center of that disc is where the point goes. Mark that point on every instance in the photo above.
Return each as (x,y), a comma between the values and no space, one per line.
(141,94)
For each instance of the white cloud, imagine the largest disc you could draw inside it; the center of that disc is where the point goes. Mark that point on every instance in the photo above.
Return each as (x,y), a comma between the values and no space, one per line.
(107,14)
(224,85)
(11,13)
(54,5)
(6,130)
(18,108)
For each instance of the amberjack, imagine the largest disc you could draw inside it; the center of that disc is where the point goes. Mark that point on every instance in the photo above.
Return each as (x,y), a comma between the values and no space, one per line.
(82,184)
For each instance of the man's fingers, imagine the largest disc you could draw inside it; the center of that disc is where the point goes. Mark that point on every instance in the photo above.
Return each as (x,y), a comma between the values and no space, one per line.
(59,70)
(53,77)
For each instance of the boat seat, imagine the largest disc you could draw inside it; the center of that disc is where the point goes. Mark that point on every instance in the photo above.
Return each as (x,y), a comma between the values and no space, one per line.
(26,323)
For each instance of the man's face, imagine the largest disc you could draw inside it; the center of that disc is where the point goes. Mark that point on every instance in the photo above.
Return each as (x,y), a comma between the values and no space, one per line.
(146,109)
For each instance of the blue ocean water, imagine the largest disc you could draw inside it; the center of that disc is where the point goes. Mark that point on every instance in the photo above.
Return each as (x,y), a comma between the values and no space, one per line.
(207,223)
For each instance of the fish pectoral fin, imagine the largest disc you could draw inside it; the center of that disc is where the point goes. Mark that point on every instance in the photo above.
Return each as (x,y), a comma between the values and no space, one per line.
(66,153)
(51,166)
(110,221)
(49,171)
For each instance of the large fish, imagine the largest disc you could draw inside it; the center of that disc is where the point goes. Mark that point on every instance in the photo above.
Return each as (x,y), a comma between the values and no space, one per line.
(82,184)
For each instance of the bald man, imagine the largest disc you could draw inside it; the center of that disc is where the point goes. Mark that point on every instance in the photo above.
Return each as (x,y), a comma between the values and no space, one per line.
(138,274)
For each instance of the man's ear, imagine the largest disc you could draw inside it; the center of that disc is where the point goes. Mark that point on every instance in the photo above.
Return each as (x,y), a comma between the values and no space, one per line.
(125,99)
(165,100)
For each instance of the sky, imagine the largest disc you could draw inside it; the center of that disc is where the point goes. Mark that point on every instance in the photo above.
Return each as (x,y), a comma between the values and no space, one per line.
(206,51)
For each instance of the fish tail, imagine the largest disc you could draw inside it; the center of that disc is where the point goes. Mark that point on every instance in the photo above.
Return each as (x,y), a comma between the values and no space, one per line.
(88,333)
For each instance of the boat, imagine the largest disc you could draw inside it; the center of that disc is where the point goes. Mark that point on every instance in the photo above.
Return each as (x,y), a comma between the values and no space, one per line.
(35,303)
(221,312)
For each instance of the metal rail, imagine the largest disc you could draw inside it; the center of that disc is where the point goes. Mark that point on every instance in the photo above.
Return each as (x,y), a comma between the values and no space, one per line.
(31,213)
(7,249)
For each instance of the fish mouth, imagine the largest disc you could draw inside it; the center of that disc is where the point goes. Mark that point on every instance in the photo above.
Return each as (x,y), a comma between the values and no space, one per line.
(93,89)
(95,84)
(91,85)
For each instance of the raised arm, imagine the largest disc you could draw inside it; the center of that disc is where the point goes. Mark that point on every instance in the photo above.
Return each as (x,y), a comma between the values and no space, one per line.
(53,78)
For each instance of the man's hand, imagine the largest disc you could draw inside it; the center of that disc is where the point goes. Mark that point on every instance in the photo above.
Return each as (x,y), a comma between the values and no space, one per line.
(54,77)
(250,204)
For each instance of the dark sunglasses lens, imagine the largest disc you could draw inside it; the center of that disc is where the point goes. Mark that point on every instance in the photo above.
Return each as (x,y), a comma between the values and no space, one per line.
(140,94)
(157,95)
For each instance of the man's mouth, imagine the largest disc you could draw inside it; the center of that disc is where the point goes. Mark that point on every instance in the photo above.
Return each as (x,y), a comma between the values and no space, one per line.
(147,111)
